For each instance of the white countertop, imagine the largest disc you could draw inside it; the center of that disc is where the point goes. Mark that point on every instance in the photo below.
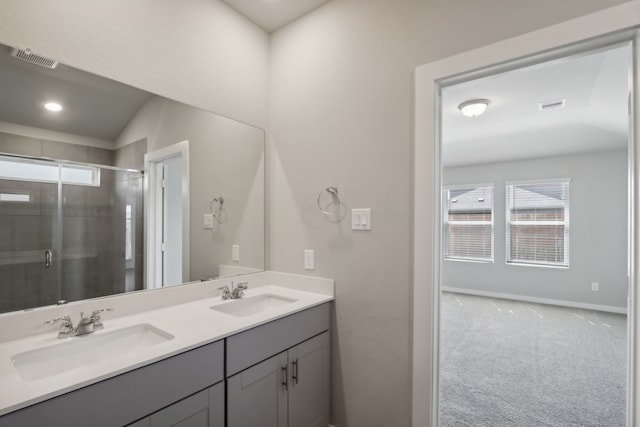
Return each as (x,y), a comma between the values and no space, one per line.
(192,324)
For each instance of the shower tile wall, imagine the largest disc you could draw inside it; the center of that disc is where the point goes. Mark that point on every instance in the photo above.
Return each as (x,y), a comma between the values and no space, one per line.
(93,255)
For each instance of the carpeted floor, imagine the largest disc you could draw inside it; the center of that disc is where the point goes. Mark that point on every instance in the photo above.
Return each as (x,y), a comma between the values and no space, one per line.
(510,363)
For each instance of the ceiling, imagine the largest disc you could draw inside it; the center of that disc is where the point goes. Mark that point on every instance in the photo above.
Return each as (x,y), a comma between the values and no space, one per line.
(595,118)
(273,14)
(94,106)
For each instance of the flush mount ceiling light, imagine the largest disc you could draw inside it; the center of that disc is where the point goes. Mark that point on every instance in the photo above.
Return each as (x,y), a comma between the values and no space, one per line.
(553,104)
(474,107)
(53,106)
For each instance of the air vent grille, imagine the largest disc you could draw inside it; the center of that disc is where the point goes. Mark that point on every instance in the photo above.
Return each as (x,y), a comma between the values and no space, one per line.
(553,104)
(32,58)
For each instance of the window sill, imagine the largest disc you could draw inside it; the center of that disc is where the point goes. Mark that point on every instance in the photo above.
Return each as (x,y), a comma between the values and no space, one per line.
(475,261)
(525,264)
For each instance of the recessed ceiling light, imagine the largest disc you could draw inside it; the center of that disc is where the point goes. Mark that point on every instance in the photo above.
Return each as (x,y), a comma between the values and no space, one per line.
(474,107)
(53,106)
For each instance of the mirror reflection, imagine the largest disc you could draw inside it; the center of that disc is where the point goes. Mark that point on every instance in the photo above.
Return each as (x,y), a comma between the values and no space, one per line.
(117,189)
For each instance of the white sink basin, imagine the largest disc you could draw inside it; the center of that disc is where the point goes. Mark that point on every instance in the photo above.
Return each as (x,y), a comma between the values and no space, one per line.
(82,351)
(252,305)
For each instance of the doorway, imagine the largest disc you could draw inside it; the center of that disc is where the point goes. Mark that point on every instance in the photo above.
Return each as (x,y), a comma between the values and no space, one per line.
(167,213)
(534,245)
(577,36)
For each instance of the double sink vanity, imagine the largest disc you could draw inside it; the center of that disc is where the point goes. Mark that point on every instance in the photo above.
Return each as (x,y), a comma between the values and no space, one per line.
(205,354)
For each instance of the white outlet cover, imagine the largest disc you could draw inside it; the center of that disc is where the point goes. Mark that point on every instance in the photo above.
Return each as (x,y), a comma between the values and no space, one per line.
(309,259)
(208,221)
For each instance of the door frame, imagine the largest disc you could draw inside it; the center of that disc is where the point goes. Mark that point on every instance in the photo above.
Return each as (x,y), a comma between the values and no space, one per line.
(153,222)
(616,24)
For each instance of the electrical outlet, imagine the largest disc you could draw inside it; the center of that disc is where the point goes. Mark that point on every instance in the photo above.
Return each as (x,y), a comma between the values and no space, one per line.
(595,286)
(235,253)
(208,221)
(309,259)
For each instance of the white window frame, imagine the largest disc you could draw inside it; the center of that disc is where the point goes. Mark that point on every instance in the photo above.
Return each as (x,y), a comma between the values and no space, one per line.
(446,222)
(565,223)
(61,176)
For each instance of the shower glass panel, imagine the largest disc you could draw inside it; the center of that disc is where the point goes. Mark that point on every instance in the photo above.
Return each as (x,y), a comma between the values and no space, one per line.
(79,237)
(29,228)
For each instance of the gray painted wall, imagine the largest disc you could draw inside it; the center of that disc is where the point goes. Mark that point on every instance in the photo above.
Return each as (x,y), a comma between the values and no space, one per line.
(339,113)
(226,158)
(597,234)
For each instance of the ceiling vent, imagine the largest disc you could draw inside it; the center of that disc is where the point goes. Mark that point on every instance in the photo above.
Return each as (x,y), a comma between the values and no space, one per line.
(32,58)
(552,105)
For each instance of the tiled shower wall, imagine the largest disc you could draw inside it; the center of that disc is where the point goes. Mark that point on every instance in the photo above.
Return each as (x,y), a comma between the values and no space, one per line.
(91,261)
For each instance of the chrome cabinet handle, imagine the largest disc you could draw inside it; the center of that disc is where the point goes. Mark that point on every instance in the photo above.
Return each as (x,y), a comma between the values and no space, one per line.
(294,371)
(47,258)
(285,381)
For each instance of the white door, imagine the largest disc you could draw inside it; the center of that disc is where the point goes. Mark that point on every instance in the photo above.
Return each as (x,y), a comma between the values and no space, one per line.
(167,216)
(171,209)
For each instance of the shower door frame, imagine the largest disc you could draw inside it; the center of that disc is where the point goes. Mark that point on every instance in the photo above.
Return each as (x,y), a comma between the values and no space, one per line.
(614,25)
(58,229)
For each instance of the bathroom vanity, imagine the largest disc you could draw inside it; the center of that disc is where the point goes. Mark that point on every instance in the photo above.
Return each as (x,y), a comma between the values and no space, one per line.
(261,360)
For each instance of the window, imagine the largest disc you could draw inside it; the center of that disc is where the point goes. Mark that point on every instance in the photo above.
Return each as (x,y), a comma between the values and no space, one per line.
(34,171)
(538,223)
(468,222)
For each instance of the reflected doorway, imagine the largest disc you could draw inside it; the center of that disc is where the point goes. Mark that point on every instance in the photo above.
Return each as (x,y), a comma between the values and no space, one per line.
(168,216)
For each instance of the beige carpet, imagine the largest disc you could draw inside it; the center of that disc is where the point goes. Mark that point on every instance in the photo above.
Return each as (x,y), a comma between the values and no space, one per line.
(509,363)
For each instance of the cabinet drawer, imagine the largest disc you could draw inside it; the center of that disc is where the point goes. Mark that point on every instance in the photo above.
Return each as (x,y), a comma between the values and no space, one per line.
(128,397)
(255,345)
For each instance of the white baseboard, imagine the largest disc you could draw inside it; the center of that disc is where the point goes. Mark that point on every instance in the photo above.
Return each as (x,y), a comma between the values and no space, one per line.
(563,303)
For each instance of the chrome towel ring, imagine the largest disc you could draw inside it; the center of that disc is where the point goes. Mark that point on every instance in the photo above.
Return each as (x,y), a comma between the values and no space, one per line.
(329,205)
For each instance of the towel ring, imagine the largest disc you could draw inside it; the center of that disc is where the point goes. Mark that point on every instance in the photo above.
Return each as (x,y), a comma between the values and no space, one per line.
(333,206)
(216,209)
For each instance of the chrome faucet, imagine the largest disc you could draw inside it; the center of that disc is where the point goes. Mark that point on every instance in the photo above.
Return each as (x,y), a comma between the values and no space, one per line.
(86,325)
(226,293)
(239,290)
(66,329)
(235,292)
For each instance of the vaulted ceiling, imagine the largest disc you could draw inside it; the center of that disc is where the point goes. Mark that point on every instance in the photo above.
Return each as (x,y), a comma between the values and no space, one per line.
(273,14)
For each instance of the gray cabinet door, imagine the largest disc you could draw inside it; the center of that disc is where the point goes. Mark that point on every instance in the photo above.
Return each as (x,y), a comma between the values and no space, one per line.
(203,409)
(309,379)
(257,396)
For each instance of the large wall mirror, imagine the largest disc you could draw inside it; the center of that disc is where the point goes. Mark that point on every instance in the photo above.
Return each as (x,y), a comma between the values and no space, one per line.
(119,190)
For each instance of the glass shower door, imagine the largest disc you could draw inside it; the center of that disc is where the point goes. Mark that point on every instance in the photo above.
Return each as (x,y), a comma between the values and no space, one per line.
(102,239)
(29,238)
(68,231)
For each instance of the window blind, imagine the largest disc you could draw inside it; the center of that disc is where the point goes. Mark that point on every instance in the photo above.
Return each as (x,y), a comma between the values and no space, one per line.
(537,225)
(468,222)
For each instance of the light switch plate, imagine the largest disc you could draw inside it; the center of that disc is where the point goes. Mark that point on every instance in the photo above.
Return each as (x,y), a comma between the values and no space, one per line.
(361,219)
(235,253)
